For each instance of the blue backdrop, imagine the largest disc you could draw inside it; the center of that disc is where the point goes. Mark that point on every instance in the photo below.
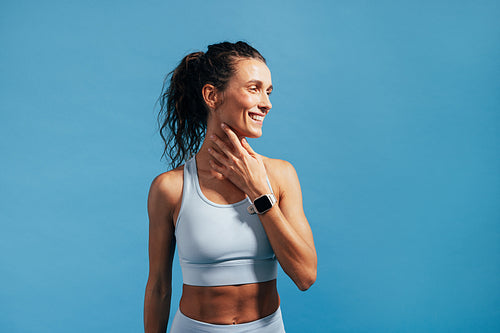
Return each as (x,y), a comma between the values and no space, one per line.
(389,111)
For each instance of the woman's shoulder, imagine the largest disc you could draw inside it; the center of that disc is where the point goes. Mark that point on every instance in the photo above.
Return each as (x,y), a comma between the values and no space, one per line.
(277,166)
(168,185)
(281,173)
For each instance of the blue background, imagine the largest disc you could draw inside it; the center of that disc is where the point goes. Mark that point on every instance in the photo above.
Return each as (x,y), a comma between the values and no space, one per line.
(389,111)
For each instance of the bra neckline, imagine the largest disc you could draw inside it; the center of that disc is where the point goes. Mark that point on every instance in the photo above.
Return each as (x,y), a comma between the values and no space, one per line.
(203,197)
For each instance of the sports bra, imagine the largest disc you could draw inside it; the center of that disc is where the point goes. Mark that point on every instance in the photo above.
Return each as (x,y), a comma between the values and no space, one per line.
(220,244)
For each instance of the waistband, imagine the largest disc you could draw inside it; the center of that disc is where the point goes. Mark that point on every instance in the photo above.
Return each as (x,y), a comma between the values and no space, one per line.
(238,271)
(270,324)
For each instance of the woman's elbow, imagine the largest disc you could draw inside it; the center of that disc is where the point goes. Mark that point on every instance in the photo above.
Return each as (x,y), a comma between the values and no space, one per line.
(306,281)
(158,289)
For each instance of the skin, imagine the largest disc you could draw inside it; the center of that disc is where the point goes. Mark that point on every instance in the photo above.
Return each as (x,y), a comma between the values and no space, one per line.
(228,171)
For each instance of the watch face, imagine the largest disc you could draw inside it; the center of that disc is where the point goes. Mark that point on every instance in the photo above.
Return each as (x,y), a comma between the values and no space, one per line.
(262,204)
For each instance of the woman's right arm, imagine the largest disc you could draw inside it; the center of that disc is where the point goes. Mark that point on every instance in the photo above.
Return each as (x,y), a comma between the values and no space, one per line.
(163,195)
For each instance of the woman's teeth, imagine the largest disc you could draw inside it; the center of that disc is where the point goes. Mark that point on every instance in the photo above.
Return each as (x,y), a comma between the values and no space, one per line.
(256,117)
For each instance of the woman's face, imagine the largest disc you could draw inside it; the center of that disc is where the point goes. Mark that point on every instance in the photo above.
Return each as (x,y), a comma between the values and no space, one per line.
(245,101)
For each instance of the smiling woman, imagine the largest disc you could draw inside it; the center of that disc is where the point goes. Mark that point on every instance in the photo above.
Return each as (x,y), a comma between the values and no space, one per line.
(233,213)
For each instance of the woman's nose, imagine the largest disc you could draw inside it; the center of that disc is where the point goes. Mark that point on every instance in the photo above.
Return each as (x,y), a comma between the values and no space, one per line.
(265,102)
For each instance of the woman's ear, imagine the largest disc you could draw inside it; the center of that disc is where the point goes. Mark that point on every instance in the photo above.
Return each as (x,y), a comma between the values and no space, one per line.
(210,95)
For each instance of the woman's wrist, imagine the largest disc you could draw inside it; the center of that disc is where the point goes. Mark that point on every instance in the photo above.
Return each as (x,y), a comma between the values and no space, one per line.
(258,191)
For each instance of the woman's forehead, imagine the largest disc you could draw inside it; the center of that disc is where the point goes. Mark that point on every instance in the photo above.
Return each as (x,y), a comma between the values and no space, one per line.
(252,69)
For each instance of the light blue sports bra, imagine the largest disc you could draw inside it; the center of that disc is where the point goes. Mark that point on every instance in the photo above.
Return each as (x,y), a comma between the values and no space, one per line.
(220,244)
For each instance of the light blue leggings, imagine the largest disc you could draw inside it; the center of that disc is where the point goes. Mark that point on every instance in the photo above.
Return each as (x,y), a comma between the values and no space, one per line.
(270,324)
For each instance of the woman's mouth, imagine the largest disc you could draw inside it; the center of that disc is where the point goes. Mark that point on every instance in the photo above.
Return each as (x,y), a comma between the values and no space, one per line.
(256,117)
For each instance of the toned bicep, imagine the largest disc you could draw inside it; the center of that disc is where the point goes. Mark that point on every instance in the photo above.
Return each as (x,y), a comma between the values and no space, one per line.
(161,235)
(291,202)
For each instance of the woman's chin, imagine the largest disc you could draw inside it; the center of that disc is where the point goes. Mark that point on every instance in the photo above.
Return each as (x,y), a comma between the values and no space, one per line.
(248,133)
(253,134)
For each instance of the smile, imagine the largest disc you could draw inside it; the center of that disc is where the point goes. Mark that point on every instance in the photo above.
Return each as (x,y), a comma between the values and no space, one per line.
(256,117)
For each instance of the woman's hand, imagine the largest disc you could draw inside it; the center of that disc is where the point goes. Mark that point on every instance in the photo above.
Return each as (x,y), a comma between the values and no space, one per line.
(238,163)
(285,224)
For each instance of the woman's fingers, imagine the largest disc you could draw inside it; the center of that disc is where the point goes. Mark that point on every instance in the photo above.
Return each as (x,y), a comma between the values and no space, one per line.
(246,145)
(220,145)
(236,161)
(217,170)
(217,163)
(233,138)
(219,157)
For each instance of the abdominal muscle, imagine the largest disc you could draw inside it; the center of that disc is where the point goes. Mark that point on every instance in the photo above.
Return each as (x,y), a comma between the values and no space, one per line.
(227,305)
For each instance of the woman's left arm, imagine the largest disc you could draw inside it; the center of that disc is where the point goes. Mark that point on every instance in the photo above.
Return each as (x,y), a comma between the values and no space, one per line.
(285,223)
(289,232)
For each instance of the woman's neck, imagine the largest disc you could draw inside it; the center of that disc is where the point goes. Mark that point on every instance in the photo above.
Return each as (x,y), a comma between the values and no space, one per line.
(203,156)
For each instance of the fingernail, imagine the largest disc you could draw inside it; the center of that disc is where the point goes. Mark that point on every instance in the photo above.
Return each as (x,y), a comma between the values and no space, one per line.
(212,136)
(209,150)
(223,125)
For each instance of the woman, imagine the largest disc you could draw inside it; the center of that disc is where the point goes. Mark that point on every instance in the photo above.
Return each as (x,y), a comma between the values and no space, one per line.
(232,212)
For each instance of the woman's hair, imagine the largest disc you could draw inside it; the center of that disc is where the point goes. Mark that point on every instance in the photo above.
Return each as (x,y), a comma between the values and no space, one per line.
(183,113)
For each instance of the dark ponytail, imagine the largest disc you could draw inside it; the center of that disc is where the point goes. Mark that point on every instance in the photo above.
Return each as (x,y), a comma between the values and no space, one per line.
(183,113)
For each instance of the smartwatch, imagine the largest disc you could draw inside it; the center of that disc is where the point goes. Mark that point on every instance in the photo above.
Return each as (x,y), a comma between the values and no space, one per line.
(262,204)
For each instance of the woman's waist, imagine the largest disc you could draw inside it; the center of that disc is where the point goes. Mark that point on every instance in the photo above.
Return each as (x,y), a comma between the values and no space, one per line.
(233,304)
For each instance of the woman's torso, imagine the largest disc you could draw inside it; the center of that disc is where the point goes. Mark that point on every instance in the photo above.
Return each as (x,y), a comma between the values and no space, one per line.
(225,304)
